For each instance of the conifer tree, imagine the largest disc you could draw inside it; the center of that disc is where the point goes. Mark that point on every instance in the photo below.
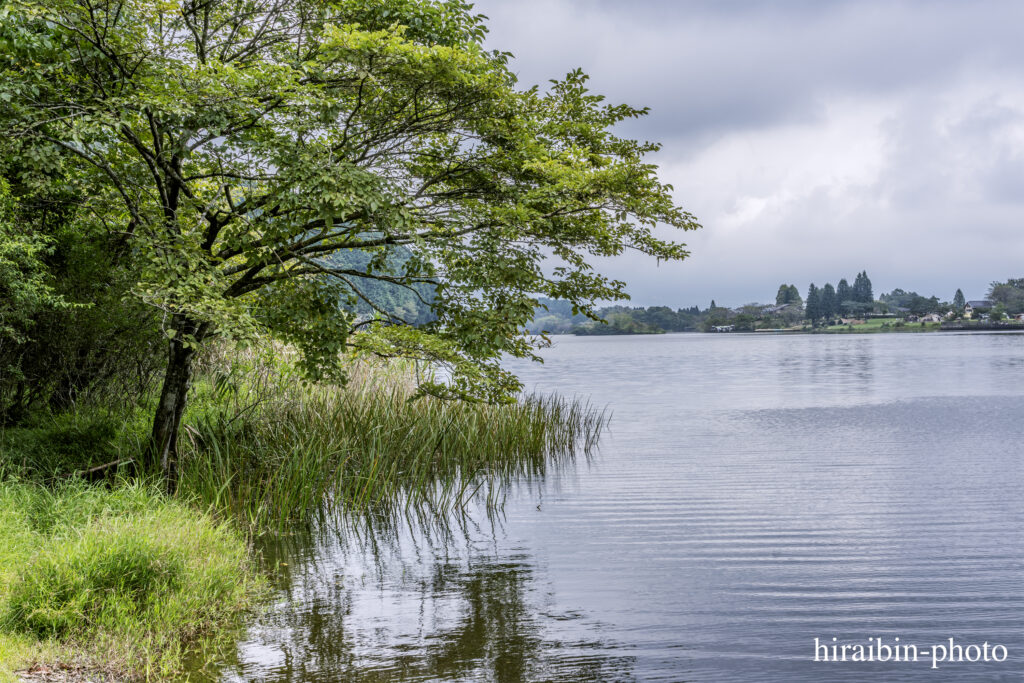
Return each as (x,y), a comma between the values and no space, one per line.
(813,306)
(827,301)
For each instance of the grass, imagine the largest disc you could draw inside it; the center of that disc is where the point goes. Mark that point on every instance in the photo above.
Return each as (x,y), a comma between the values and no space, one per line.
(117,579)
(277,450)
(54,445)
(881,325)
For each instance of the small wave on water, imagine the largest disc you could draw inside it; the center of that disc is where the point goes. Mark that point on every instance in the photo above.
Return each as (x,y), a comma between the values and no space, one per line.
(754,493)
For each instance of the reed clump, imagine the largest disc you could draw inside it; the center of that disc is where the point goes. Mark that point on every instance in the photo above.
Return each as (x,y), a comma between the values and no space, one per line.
(269,449)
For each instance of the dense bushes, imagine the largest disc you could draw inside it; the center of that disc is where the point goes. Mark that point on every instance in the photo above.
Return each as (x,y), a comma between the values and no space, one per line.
(67,325)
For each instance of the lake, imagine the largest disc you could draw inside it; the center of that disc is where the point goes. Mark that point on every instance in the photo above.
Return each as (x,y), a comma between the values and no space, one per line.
(754,492)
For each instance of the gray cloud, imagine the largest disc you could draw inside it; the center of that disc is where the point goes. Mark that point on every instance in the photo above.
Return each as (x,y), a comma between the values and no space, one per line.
(812,139)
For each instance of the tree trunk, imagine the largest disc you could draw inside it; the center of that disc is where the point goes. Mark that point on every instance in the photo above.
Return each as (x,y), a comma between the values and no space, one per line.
(163,448)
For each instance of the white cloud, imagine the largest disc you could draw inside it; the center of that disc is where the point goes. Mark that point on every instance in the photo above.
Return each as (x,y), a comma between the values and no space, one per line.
(812,140)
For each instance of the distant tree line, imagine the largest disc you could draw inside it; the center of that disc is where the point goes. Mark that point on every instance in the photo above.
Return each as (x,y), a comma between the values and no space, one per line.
(822,306)
(558,317)
(843,300)
(899,301)
(1009,295)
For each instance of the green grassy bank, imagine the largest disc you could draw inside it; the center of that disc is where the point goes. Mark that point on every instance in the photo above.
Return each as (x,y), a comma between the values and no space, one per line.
(115,579)
(120,577)
(880,326)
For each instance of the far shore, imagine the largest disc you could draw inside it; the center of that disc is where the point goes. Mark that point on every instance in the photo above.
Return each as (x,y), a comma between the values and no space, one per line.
(863,328)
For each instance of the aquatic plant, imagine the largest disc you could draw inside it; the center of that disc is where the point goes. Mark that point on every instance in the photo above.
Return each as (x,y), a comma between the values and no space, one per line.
(269,449)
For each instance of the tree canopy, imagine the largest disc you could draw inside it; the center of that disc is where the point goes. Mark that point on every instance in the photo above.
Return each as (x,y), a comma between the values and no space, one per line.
(827,302)
(1010,294)
(230,148)
(787,294)
(862,288)
(813,305)
(959,301)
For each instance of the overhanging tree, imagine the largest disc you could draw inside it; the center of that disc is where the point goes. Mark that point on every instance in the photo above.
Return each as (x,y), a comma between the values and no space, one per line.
(231,147)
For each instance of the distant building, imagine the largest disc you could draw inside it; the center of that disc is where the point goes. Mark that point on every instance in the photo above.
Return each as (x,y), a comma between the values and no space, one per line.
(931,318)
(772,310)
(977,306)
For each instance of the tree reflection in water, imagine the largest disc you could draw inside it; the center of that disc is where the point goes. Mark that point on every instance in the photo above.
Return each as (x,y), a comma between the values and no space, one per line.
(414,608)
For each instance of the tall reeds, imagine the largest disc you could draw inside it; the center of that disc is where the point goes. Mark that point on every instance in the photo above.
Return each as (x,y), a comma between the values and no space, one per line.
(271,450)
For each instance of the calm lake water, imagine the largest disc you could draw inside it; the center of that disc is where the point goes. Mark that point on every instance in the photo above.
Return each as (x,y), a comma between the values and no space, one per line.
(753,493)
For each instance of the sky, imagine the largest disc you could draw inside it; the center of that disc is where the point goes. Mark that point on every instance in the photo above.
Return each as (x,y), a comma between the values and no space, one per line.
(812,139)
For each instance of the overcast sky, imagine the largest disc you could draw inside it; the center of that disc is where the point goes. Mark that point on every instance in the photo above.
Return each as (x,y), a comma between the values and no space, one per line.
(811,139)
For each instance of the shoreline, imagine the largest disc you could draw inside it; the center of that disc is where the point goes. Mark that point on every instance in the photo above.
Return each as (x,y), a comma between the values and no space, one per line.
(906,328)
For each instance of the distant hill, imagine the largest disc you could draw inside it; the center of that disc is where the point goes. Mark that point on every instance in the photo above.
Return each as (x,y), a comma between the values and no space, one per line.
(556,317)
(395,299)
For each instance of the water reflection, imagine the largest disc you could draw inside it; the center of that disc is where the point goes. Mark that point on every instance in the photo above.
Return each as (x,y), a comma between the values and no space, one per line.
(753,493)
(405,605)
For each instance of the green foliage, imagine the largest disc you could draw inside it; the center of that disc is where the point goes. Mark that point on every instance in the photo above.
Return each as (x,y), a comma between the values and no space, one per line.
(369,297)
(843,299)
(24,289)
(913,302)
(782,295)
(267,448)
(1010,294)
(787,294)
(959,301)
(86,335)
(557,317)
(132,579)
(715,318)
(843,294)
(813,308)
(553,316)
(618,322)
(828,303)
(61,444)
(743,323)
(232,148)
(862,288)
